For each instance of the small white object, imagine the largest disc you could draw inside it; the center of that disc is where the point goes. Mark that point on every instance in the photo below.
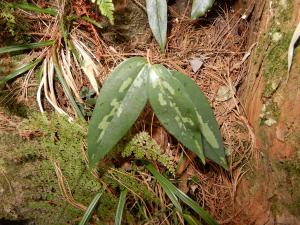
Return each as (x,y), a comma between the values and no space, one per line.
(225,93)
(196,64)
(295,38)
(270,122)
(276,36)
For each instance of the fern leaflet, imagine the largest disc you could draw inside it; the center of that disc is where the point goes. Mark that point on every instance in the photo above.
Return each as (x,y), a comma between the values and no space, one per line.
(106,8)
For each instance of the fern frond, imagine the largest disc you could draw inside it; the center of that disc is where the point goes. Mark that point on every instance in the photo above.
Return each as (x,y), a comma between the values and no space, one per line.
(142,146)
(107,9)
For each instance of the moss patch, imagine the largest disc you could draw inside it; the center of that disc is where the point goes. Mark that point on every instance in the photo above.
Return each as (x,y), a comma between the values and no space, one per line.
(29,164)
(292,168)
(278,37)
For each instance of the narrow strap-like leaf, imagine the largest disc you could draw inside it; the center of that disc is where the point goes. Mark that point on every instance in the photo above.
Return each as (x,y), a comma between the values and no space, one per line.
(174,108)
(121,100)
(34,8)
(294,40)
(92,21)
(157,17)
(166,185)
(66,88)
(212,139)
(19,71)
(191,220)
(89,212)
(164,182)
(200,7)
(14,48)
(120,209)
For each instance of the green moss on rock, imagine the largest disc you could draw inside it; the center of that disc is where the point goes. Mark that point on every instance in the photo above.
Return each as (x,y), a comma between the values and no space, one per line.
(29,164)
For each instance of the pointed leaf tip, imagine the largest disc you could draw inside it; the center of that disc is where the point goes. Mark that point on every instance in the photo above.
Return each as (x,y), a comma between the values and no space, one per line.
(158,20)
(211,136)
(294,40)
(200,7)
(174,108)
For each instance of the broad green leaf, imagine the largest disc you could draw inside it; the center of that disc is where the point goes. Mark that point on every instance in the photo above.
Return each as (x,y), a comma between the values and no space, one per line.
(211,136)
(200,7)
(174,108)
(158,20)
(120,209)
(165,183)
(89,212)
(14,48)
(121,100)
(19,71)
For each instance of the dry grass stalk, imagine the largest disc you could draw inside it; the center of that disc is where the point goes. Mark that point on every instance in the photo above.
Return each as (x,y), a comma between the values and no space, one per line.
(65,189)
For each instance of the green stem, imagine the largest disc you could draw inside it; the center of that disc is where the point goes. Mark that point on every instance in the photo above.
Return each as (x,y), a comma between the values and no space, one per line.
(91,21)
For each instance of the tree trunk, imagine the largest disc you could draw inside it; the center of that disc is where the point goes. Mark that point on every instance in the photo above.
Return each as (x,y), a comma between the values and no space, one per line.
(272,100)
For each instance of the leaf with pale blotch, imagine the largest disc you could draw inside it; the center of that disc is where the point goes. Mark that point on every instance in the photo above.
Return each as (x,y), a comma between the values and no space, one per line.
(157,17)
(174,108)
(119,104)
(211,136)
(200,7)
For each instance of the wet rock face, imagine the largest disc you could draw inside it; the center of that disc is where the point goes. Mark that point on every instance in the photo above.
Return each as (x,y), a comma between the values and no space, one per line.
(14,222)
(131,24)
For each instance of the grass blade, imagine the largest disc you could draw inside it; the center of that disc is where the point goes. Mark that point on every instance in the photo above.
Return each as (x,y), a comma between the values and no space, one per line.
(120,209)
(66,71)
(87,64)
(87,215)
(66,88)
(34,8)
(91,21)
(190,220)
(166,184)
(14,48)
(293,42)
(20,71)
(48,84)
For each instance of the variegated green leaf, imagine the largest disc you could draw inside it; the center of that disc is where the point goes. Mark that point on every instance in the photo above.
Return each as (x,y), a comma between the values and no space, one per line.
(157,17)
(200,7)
(174,108)
(119,104)
(211,136)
